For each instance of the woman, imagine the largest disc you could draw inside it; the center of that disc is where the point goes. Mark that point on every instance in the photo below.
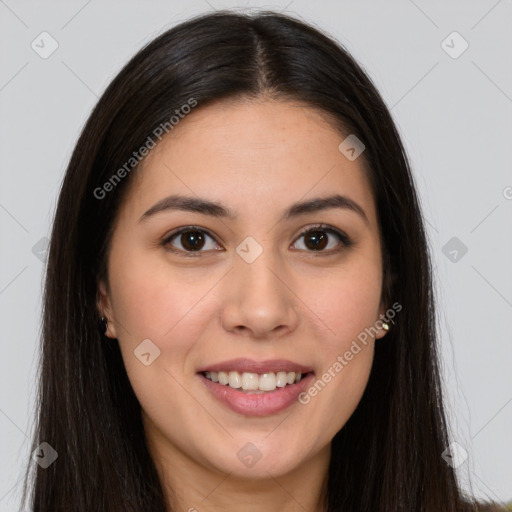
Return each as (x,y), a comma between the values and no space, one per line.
(240,216)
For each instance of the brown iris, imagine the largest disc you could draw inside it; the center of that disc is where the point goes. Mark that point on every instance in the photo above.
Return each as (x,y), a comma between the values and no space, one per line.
(317,240)
(192,240)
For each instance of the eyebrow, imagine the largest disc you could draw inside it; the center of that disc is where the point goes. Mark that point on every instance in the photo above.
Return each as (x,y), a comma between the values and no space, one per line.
(215,209)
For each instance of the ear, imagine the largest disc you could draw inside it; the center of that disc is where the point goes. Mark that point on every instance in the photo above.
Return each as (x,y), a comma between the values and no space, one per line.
(104,306)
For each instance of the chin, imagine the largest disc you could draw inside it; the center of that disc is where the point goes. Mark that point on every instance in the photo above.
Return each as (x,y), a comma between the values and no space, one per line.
(258,460)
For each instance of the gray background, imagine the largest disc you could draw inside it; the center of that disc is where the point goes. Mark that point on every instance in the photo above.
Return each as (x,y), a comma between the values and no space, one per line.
(454,115)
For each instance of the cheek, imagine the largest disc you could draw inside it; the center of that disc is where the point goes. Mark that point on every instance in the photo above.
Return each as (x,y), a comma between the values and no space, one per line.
(152,298)
(171,307)
(153,301)
(348,303)
(339,390)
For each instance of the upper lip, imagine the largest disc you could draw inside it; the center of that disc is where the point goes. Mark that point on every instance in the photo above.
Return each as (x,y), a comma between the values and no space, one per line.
(251,366)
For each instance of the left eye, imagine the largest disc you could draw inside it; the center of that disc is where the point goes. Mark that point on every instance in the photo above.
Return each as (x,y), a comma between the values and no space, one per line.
(317,239)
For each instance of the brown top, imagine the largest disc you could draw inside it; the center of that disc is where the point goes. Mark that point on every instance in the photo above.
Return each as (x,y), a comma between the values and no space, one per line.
(494,508)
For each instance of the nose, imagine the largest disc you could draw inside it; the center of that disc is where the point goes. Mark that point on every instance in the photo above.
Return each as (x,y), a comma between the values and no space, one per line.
(259,301)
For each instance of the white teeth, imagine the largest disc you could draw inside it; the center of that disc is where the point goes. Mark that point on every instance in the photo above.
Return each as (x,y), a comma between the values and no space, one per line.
(213,376)
(268,381)
(253,381)
(234,380)
(290,377)
(281,379)
(250,381)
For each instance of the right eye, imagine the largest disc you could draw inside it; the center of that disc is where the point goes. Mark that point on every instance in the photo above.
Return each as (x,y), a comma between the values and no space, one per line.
(192,239)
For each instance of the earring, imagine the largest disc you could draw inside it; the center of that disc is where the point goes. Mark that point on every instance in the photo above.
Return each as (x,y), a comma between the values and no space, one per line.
(386,326)
(103,324)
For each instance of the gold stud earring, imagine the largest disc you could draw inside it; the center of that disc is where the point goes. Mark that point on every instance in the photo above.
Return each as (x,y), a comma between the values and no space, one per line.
(103,325)
(386,326)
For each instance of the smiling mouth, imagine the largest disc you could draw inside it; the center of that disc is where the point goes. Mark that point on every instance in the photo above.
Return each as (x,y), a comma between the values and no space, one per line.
(255,383)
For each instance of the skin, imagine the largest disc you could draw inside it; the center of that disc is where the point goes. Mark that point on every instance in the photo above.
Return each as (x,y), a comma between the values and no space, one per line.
(256,157)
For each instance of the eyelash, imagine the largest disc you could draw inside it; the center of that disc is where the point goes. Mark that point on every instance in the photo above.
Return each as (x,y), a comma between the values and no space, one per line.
(345,241)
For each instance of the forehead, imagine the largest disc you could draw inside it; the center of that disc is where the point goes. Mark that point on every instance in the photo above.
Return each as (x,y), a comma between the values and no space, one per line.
(262,153)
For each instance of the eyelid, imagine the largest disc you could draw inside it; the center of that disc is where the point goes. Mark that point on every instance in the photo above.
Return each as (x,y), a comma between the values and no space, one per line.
(184,229)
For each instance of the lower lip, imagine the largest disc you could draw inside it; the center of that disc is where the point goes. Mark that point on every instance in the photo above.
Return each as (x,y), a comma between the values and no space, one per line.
(263,404)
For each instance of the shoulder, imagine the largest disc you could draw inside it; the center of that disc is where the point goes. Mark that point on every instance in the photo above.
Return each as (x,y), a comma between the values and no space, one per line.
(485,507)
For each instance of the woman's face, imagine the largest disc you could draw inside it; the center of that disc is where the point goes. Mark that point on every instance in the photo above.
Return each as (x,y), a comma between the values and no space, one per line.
(245,282)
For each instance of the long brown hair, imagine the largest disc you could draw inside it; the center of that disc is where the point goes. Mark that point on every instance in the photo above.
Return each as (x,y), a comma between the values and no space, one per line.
(388,455)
